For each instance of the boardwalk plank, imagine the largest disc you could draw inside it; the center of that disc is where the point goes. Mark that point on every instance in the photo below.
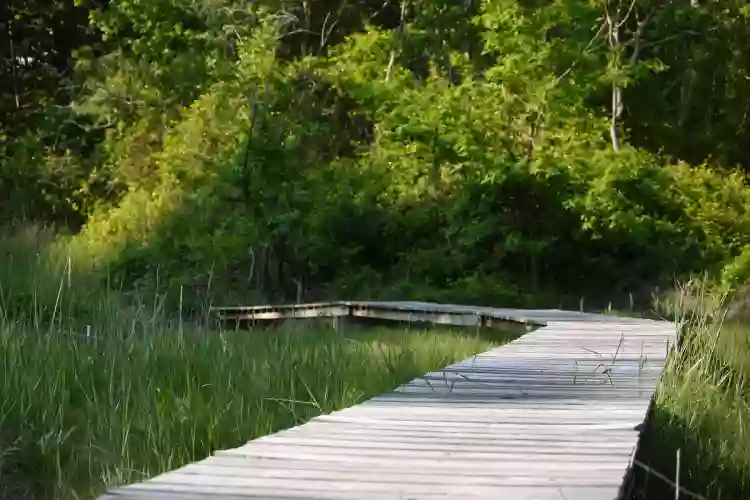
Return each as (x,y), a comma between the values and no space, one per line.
(555,414)
(311,493)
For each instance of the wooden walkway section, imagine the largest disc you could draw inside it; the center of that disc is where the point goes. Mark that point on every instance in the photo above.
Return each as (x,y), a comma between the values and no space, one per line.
(555,414)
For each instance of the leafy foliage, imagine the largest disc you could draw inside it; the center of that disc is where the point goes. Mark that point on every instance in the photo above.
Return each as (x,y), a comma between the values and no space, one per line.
(504,152)
(423,148)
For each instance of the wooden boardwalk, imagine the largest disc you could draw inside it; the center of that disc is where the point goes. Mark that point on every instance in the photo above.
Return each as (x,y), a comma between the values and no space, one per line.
(555,414)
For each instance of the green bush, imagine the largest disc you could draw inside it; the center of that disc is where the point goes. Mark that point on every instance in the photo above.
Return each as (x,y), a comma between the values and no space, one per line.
(736,273)
(276,174)
(663,220)
(431,196)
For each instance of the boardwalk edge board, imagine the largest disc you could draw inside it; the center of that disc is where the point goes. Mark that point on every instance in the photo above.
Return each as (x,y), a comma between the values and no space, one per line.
(555,414)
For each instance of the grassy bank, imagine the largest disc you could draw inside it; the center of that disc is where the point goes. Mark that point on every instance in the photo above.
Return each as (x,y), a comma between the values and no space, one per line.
(98,386)
(702,409)
(77,412)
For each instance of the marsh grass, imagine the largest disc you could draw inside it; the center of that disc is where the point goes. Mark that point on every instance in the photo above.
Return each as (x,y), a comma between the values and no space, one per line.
(99,387)
(702,406)
(77,413)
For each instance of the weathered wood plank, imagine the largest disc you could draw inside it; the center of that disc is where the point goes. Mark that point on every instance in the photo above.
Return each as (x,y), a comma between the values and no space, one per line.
(308,492)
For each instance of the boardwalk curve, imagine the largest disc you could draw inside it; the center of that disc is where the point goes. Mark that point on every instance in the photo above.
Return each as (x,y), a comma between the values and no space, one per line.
(555,414)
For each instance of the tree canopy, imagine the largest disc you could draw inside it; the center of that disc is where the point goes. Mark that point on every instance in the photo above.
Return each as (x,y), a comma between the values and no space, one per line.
(481,148)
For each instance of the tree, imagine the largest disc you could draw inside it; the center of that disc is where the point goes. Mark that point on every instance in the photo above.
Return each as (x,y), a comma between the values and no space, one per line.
(36,60)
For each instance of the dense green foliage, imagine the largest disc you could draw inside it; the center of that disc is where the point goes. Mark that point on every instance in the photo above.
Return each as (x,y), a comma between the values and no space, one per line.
(427,148)
(197,151)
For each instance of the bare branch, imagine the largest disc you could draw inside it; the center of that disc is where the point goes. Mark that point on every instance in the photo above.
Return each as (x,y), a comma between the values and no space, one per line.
(585,51)
(325,35)
(613,36)
(323,29)
(392,59)
(617,106)
(13,59)
(670,38)
(611,29)
(300,30)
(637,39)
(627,15)
(381,9)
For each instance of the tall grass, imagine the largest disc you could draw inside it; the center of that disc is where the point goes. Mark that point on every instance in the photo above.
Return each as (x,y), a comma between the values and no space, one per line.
(702,407)
(96,390)
(42,283)
(77,413)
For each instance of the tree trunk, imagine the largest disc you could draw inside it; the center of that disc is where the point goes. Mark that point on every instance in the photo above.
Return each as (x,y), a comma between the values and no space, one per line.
(614,130)
(392,59)
(13,61)
(612,16)
(614,21)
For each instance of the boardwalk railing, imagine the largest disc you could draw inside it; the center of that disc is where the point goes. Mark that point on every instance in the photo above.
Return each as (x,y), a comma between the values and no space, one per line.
(555,414)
